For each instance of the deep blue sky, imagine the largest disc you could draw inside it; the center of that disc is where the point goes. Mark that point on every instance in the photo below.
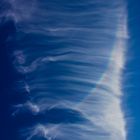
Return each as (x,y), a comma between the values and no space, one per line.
(133,67)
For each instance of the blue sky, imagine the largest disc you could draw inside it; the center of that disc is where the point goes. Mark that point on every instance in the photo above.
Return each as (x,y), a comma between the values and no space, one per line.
(131,78)
(133,67)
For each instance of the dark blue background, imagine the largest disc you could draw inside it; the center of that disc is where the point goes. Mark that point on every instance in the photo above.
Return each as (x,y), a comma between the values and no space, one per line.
(8,128)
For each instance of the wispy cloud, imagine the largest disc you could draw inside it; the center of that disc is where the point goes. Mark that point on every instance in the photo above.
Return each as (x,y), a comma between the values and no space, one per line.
(72,55)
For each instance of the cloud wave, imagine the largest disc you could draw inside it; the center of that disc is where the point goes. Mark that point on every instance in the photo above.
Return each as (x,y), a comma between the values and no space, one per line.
(71,56)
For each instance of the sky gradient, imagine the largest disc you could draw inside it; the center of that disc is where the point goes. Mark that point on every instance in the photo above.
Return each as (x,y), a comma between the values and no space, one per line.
(69,70)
